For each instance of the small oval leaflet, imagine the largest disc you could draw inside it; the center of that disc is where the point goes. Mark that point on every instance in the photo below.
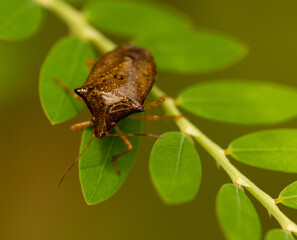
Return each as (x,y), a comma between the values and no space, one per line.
(175,168)
(98,178)
(191,52)
(67,62)
(130,18)
(240,101)
(19,19)
(269,149)
(288,195)
(237,215)
(278,234)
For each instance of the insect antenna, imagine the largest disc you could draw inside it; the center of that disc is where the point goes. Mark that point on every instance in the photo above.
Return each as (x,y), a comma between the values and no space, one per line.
(74,162)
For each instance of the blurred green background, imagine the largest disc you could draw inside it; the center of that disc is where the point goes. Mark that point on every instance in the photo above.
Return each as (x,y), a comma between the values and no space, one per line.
(34,153)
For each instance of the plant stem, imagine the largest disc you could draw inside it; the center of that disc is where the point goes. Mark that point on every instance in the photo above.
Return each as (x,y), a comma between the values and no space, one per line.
(219,155)
(80,27)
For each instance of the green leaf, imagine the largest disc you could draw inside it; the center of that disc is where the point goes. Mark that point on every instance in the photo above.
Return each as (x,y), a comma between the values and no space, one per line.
(175,168)
(288,195)
(240,101)
(98,176)
(278,234)
(67,61)
(270,149)
(131,18)
(237,215)
(19,18)
(192,51)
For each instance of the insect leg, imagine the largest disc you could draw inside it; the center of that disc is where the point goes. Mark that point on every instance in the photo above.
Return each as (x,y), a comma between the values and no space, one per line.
(154,103)
(155,117)
(127,143)
(67,89)
(81,125)
(90,63)
(74,162)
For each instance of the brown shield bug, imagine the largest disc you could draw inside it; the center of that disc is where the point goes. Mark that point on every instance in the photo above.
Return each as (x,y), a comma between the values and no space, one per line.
(117,86)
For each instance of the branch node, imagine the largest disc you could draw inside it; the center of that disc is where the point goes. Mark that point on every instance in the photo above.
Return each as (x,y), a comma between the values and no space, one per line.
(240,182)
(227,152)
(176,102)
(190,131)
(277,200)
(290,228)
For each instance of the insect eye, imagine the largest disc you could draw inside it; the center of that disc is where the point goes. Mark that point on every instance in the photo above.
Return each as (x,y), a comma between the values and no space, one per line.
(93,119)
(113,124)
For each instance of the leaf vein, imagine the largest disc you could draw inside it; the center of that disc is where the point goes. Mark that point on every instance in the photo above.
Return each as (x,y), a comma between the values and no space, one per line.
(178,160)
(264,150)
(103,168)
(289,197)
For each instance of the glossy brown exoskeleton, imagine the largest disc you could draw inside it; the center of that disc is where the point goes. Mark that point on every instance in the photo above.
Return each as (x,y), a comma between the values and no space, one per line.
(116,87)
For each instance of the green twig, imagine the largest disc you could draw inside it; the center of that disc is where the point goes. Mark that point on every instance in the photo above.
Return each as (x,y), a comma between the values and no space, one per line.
(80,27)
(219,155)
